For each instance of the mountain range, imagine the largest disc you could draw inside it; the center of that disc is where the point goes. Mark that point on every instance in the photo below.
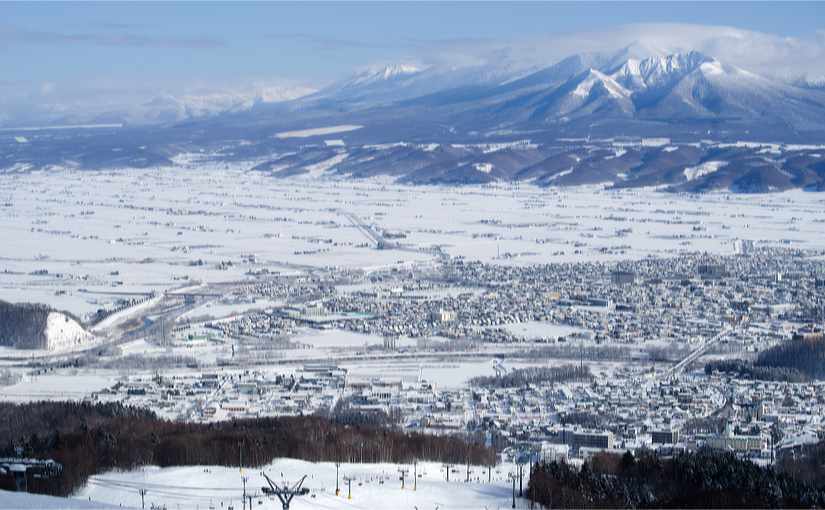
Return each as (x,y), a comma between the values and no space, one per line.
(631,118)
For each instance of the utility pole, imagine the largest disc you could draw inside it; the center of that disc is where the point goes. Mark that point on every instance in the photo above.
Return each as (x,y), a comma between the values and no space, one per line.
(513,478)
(285,492)
(415,475)
(520,477)
(468,471)
(489,474)
(403,472)
(447,469)
(348,479)
(337,488)
(243,478)
(142,494)
(581,354)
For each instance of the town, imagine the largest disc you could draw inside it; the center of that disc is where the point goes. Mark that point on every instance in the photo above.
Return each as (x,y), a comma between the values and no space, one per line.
(626,345)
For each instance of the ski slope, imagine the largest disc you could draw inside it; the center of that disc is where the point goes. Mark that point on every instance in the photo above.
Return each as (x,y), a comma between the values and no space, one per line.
(22,500)
(375,486)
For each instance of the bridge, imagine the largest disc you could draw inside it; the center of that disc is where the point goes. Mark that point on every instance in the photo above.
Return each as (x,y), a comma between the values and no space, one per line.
(680,367)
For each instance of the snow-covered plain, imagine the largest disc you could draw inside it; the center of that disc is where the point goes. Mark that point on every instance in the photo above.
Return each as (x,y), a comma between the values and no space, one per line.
(22,500)
(71,384)
(375,486)
(154,230)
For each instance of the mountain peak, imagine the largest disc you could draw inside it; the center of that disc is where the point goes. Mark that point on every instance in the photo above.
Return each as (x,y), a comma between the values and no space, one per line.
(386,73)
(638,74)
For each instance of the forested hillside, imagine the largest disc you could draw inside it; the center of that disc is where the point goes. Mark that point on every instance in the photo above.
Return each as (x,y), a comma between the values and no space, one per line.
(792,361)
(90,439)
(805,355)
(704,479)
(23,325)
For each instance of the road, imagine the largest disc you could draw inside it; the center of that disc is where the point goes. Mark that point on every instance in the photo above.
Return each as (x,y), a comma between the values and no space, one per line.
(373,236)
(678,368)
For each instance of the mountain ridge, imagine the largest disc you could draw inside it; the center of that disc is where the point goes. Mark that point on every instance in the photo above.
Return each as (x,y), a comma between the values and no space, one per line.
(692,100)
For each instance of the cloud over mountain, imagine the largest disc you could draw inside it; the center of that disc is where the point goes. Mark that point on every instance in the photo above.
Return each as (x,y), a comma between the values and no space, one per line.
(800,60)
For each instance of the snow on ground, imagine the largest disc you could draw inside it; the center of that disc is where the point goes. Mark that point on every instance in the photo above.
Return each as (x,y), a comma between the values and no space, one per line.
(327,130)
(218,310)
(708,167)
(484,168)
(375,486)
(537,329)
(318,169)
(64,333)
(445,373)
(560,175)
(336,338)
(126,314)
(149,230)
(69,385)
(22,500)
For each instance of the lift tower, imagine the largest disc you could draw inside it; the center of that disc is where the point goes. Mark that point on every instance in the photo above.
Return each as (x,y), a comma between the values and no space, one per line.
(284,491)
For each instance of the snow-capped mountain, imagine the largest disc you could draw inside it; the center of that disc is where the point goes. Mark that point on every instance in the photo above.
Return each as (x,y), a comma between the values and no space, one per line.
(176,108)
(169,108)
(679,87)
(403,82)
(370,84)
(443,124)
(381,75)
(660,71)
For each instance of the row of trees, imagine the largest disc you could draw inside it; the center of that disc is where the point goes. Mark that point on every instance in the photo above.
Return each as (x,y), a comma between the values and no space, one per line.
(794,361)
(704,479)
(534,375)
(90,439)
(746,369)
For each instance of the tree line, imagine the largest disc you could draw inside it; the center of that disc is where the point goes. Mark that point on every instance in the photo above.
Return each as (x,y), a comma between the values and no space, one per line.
(805,355)
(703,479)
(793,361)
(89,439)
(748,370)
(22,325)
(520,377)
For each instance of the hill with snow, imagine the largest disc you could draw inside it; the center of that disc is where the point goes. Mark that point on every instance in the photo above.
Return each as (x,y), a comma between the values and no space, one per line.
(28,326)
(374,486)
(430,124)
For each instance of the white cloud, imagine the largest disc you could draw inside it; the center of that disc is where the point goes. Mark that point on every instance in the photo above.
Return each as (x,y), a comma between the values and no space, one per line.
(111,101)
(203,103)
(112,98)
(764,53)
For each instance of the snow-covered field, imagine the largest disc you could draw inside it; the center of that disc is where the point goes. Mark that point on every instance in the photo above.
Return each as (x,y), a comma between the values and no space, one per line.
(70,384)
(374,486)
(326,130)
(22,500)
(537,330)
(143,231)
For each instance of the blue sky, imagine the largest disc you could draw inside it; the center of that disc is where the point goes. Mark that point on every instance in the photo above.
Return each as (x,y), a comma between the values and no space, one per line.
(317,41)
(86,50)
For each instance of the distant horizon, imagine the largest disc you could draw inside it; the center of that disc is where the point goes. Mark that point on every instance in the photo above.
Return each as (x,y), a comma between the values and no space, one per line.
(71,56)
